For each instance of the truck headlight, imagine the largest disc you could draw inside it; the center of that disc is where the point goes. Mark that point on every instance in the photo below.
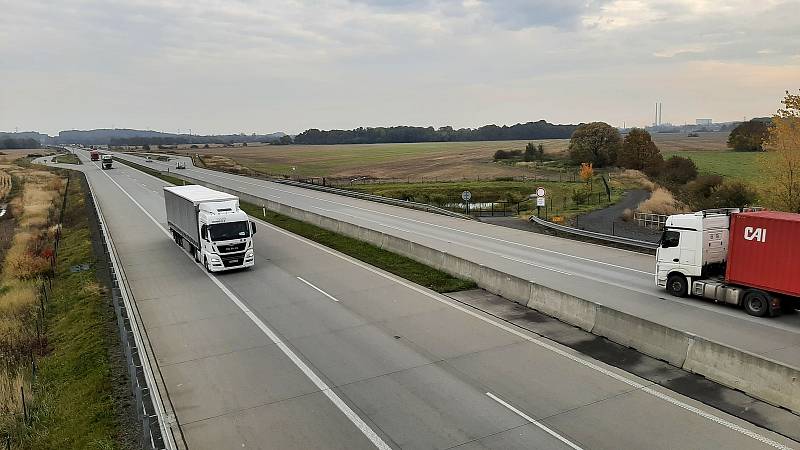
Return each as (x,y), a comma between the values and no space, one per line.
(215,259)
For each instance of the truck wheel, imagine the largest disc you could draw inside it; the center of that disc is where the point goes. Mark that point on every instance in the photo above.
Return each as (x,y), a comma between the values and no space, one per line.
(205,264)
(677,285)
(756,303)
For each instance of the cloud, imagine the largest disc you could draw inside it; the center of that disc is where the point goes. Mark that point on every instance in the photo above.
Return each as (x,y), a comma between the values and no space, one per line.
(257,65)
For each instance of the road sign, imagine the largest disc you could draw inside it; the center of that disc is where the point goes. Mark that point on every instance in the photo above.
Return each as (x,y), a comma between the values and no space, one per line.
(466,196)
(540,192)
(539,201)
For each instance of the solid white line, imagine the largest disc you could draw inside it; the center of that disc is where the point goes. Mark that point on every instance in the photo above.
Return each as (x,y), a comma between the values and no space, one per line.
(535,422)
(319,290)
(586,363)
(376,440)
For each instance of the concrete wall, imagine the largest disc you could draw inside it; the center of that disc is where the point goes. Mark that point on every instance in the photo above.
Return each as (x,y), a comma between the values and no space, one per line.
(757,376)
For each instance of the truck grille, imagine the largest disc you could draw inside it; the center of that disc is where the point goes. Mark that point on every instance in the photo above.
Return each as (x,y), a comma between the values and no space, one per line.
(232,260)
(231,248)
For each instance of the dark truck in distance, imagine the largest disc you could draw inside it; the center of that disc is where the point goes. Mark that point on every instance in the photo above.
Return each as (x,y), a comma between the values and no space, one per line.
(742,257)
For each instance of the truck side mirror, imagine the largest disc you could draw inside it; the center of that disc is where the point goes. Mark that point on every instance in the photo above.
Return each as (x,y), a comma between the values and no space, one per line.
(252,228)
(204,232)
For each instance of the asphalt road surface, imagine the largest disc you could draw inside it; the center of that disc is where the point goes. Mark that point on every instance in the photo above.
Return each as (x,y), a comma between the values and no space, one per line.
(311,349)
(616,278)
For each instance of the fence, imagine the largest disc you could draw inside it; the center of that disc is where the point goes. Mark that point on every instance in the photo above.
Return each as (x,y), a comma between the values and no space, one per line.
(652,221)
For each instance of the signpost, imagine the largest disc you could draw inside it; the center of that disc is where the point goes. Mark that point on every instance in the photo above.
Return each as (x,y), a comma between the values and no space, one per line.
(540,201)
(466,196)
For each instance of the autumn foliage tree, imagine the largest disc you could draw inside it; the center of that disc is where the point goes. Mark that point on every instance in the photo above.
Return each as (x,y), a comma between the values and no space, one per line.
(781,166)
(638,151)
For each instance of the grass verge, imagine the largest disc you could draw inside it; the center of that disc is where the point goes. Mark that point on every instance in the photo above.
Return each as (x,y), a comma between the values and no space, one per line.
(68,158)
(80,398)
(401,266)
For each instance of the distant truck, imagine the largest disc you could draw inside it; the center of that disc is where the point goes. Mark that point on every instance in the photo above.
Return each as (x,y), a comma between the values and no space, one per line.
(219,234)
(94,155)
(741,257)
(107,161)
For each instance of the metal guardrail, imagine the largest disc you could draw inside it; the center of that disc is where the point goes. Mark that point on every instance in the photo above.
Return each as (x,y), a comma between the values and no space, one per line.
(156,431)
(376,198)
(594,235)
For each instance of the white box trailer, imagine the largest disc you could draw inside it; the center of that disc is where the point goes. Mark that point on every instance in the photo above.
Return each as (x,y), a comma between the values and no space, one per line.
(218,233)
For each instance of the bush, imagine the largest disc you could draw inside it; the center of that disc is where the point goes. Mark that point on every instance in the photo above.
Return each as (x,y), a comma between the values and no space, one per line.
(697,192)
(503,154)
(748,136)
(661,201)
(678,171)
(732,194)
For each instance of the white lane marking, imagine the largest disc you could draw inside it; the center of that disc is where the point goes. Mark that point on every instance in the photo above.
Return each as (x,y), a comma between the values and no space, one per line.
(533,421)
(376,440)
(407,219)
(586,363)
(541,343)
(319,290)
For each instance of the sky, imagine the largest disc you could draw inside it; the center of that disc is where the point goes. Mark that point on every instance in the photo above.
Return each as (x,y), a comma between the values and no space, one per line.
(229,66)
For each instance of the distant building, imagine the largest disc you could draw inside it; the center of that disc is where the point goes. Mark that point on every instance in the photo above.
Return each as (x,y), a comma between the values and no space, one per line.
(704,122)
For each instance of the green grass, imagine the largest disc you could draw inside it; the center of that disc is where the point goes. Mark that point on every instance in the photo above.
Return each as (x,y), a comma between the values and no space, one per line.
(558,193)
(401,266)
(74,406)
(68,158)
(739,165)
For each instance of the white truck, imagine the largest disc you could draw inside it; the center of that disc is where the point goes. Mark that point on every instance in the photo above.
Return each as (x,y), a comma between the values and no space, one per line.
(218,233)
(106,161)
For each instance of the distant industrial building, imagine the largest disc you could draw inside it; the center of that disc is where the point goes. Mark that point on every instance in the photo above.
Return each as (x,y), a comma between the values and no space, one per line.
(704,122)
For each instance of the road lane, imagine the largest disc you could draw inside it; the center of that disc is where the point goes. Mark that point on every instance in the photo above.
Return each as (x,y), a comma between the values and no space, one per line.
(612,277)
(410,362)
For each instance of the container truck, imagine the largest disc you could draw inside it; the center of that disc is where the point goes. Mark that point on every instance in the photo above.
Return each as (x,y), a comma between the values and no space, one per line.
(94,155)
(107,161)
(741,257)
(219,234)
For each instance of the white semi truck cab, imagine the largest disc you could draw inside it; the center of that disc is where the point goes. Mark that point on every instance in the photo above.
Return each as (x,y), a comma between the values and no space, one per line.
(725,255)
(107,161)
(218,233)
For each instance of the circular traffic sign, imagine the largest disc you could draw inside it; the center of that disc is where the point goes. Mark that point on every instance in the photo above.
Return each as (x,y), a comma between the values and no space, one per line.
(466,195)
(540,192)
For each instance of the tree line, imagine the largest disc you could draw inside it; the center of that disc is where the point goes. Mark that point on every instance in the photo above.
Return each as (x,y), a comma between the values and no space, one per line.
(407,134)
(11,143)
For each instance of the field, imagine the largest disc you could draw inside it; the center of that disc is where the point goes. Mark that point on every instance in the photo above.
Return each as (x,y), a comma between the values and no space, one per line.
(740,165)
(432,160)
(8,156)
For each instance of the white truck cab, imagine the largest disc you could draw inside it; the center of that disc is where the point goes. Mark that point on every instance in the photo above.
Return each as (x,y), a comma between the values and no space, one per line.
(692,245)
(218,233)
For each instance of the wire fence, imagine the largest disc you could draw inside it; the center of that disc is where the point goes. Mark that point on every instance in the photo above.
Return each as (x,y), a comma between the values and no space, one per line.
(150,438)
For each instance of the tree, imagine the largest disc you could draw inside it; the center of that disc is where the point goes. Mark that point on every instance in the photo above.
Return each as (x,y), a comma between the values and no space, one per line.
(587,172)
(781,166)
(530,152)
(638,151)
(732,194)
(678,171)
(749,136)
(596,142)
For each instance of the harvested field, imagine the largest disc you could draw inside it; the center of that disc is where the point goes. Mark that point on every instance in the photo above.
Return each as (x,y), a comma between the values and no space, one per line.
(442,160)
(431,160)
(8,156)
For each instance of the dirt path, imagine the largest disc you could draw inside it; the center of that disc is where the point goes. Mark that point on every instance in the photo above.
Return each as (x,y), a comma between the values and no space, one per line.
(609,220)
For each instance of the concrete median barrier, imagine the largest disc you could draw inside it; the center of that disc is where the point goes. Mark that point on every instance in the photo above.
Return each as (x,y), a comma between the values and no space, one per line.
(757,376)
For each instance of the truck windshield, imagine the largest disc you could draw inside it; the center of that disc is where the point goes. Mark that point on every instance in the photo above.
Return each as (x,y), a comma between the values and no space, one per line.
(230,230)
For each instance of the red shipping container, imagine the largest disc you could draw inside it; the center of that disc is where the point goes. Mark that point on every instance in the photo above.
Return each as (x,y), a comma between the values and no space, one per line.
(764,251)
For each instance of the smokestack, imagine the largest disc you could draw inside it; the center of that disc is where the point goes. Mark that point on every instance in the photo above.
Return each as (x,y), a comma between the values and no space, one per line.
(659,113)
(655,118)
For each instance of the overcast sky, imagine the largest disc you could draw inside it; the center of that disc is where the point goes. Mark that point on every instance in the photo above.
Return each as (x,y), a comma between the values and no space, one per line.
(219,66)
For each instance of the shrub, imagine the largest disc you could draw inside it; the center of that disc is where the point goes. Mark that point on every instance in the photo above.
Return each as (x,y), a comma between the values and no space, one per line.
(732,194)
(697,192)
(678,171)
(510,154)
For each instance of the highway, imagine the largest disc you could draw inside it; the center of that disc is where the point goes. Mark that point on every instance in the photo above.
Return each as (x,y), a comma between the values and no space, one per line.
(620,279)
(312,349)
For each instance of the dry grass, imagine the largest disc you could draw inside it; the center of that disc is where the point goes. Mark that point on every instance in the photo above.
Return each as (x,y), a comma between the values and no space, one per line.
(10,384)
(634,177)
(661,201)
(5,184)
